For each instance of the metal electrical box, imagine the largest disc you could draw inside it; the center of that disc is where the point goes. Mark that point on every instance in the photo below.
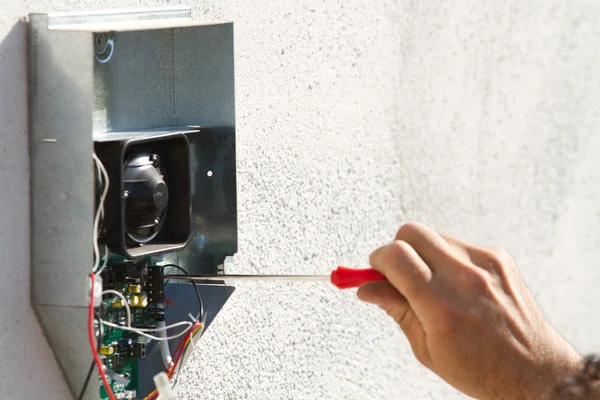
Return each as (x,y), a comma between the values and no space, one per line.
(101,79)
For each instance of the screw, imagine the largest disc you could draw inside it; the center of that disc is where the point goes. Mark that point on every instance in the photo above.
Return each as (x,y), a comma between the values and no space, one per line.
(156,224)
(155,160)
(100,43)
(126,195)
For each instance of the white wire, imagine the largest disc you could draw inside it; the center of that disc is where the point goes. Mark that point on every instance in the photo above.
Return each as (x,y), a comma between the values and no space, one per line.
(141,331)
(100,210)
(119,294)
(165,352)
(105,263)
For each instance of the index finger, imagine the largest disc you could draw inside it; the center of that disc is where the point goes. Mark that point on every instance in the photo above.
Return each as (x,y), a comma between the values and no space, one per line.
(435,251)
(403,268)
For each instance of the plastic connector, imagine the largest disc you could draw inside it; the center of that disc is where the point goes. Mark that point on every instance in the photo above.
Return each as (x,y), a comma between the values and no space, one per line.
(97,289)
(163,387)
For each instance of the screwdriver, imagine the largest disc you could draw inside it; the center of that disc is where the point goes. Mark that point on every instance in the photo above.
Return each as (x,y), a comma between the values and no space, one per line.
(341,277)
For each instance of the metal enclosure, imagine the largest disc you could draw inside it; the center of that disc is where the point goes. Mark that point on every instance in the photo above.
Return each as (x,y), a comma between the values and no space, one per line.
(164,73)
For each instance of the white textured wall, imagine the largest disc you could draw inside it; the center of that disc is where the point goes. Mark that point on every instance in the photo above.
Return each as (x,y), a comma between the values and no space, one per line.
(481,118)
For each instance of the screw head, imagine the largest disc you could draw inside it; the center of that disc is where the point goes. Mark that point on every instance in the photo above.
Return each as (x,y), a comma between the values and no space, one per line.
(156,224)
(100,43)
(126,195)
(155,160)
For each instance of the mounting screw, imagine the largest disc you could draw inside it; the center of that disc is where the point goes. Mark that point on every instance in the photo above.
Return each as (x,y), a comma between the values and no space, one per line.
(100,43)
(155,160)
(126,195)
(156,224)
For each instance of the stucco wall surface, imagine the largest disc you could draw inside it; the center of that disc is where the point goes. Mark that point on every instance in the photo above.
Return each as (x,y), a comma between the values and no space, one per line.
(481,118)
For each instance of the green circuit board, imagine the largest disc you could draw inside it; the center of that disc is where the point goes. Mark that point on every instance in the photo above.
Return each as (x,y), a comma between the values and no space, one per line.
(121,350)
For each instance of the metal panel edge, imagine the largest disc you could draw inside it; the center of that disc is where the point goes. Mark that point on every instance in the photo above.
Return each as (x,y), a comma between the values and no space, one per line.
(61,181)
(55,20)
(71,351)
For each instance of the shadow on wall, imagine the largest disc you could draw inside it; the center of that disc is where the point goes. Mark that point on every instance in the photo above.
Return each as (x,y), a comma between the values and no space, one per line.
(32,371)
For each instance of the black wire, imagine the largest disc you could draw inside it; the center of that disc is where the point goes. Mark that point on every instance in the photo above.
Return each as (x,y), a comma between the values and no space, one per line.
(193,284)
(87,380)
(92,367)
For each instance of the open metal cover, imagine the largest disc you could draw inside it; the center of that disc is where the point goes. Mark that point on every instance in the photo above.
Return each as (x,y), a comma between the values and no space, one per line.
(164,73)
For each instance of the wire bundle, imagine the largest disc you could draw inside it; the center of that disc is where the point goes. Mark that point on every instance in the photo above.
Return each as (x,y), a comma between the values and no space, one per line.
(179,353)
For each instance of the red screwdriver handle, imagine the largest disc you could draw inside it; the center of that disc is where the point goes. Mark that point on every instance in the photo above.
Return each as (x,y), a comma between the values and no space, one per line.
(345,278)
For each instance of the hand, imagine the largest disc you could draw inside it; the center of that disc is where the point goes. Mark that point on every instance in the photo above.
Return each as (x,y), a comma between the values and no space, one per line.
(468,316)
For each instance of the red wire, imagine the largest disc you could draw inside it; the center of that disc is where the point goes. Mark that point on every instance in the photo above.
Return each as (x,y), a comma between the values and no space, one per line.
(92,339)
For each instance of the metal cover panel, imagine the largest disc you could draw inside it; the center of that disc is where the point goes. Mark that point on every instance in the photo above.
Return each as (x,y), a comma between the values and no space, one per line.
(61,163)
(212,76)
(68,340)
(134,89)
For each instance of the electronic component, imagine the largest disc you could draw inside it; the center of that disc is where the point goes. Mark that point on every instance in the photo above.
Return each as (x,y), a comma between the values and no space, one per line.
(138,350)
(156,313)
(130,348)
(134,288)
(116,361)
(148,208)
(155,286)
(130,272)
(117,303)
(134,301)
(107,350)
(126,395)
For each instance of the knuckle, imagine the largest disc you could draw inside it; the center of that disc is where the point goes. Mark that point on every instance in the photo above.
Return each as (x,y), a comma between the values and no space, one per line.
(400,249)
(408,230)
(498,259)
(480,279)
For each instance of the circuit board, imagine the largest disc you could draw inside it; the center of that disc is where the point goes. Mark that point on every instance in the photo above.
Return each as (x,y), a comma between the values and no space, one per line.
(121,351)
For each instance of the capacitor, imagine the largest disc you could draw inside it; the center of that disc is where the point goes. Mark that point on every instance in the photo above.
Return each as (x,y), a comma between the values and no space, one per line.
(117,303)
(107,350)
(134,301)
(134,288)
(143,301)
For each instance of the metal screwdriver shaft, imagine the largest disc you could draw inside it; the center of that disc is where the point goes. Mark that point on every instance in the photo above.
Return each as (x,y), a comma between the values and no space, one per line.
(251,277)
(341,277)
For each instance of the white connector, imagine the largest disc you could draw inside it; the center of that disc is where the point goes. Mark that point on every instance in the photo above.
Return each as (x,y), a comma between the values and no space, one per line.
(97,289)
(163,387)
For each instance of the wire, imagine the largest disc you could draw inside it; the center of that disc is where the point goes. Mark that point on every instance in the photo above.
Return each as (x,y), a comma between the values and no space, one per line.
(90,372)
(141,331)
(87,380)
(105,263)
(93,342)
(179,351)
(127,308)
(100,210)
(200,303)
(165,352)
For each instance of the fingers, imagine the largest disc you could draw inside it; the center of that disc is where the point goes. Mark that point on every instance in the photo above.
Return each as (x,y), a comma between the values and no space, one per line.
(403,268)
(395,305)
(429,245)
(381,293)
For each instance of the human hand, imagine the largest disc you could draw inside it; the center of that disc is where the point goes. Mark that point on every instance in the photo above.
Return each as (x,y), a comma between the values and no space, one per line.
(468,316)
